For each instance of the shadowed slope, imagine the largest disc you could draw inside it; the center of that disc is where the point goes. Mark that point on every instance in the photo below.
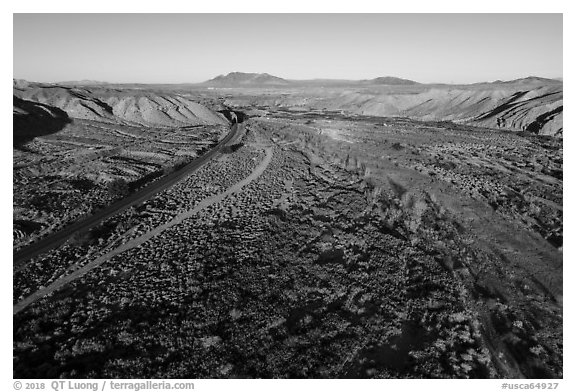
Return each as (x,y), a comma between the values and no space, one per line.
(32,119)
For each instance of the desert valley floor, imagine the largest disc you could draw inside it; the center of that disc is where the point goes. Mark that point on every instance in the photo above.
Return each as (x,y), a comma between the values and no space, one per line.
(341,232)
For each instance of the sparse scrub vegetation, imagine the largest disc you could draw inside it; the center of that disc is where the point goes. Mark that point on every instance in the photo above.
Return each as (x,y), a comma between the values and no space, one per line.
(362,250)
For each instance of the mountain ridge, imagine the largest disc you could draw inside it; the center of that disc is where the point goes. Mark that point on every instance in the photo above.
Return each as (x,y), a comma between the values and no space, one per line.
(391,81)
(245,78)
(265,79)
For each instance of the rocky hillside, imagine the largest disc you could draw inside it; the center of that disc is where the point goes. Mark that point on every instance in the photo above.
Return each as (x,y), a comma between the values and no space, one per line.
(129,107)
(534,106)
(31,119)
(537,109)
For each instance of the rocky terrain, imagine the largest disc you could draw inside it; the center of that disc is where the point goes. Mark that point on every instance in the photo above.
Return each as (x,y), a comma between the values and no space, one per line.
(109,105)
(530,104)
(79,149)
(325,242)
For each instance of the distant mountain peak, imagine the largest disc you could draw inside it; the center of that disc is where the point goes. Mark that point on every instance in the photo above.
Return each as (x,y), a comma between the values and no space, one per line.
(245,78)
(530,80)
(391,80)
(83,82)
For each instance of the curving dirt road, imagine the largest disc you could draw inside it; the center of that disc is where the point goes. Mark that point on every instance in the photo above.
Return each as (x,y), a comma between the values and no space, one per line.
(257,172)
(54,240)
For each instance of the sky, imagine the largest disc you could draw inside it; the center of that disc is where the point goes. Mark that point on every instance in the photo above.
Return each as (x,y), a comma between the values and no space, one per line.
(190,48)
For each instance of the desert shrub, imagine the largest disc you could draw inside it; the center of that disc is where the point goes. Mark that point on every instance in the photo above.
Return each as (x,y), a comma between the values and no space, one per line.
(49,201)
(81,238)
(370,182)
(414,207)
(82,184)
(232,148)
(398,189)
(118,188)
(178,164)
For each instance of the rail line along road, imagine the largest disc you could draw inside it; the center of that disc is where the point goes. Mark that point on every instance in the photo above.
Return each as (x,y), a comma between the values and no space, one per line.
(56,239)
(80,271)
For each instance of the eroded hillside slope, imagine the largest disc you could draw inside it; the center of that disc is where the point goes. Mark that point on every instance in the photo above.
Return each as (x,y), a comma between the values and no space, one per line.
(536,107)
(79,149)
(129,107)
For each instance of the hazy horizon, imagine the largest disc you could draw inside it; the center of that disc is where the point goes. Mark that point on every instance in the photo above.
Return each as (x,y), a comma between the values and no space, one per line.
(290,80)
(193,48)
